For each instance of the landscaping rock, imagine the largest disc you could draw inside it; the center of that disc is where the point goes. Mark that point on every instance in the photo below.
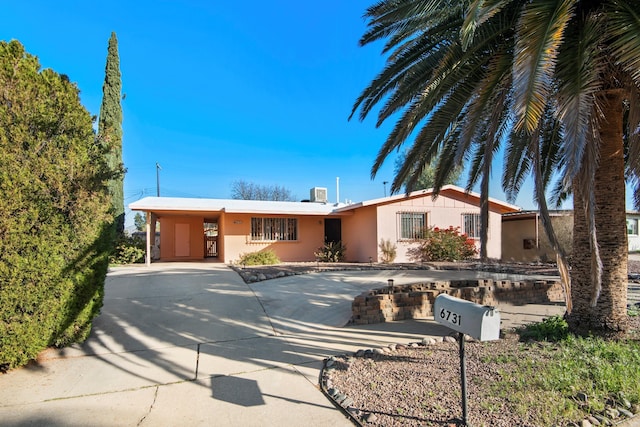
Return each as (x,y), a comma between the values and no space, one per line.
(593,420)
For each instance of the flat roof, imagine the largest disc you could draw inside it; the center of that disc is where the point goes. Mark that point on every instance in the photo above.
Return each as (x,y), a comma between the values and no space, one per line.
(183,204)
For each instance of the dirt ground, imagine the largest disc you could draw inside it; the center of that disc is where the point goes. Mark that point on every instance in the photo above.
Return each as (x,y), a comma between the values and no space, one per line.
(264,272)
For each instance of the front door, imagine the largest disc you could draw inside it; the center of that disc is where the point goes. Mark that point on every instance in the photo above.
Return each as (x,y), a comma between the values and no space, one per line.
(210,239)
(332,230)
(183,240)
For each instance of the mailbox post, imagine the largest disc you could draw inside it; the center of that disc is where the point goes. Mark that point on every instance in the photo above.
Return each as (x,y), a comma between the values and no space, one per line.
(478,321)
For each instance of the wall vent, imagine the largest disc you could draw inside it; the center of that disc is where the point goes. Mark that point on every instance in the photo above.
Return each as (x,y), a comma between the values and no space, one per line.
(319,195)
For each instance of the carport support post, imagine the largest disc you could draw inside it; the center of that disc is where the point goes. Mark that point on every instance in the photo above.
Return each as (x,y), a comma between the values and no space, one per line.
(463,379)
(148,255)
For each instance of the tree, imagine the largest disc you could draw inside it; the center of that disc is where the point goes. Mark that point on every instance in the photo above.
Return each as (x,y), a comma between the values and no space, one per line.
(427,177)
(243,190)
(557,81)
(140,222)
(110,129)
(54,210)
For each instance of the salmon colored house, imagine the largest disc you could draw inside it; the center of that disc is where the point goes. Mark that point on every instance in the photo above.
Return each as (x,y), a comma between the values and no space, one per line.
(194,229)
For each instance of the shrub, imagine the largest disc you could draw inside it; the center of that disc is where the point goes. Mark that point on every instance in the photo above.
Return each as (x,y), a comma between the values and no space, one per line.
(128,250)
(331,252)
(55,227)
(550,329)
(445,245)
(389,251)
(264,257)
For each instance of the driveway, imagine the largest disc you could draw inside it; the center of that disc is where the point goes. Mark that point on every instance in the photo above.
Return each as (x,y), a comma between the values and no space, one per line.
(192,344)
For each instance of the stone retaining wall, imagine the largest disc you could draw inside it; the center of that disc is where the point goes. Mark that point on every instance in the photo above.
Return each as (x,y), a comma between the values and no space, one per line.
(416,301)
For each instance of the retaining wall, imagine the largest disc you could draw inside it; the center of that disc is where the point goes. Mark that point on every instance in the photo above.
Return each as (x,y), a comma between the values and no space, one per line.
(416,301)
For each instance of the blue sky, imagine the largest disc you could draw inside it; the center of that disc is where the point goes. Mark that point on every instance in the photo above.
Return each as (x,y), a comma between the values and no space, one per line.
(223,91)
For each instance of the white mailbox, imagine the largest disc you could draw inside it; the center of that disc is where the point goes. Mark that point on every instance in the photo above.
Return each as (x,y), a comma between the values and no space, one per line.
(478,321)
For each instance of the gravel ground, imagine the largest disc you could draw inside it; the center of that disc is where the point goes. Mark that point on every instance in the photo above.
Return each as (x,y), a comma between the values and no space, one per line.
(421,386)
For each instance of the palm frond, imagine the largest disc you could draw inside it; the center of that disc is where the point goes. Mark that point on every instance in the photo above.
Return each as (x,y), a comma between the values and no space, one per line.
(623,26)
(446,161)
(476,166)
(413,61)
(478,12)
(539,36)
(579,72)
(491,92)
(401,19)
(550,147)
(632,133)
(517,164)
(432,134)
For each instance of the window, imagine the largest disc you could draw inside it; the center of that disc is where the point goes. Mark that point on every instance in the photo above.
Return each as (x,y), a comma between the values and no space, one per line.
(274,229)
(411,225)
(632,226)
(471,225)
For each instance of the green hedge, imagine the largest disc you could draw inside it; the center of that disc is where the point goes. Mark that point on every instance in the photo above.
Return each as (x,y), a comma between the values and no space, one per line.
(129,250)
(55,224)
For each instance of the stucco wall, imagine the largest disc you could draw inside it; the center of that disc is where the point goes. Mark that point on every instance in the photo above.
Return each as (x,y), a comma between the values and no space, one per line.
(168,225)
(359,234)
(524,239)
(236,236)
(441,212)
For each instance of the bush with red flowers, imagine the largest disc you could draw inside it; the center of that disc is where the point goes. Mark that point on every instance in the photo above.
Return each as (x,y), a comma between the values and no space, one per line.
(446,244)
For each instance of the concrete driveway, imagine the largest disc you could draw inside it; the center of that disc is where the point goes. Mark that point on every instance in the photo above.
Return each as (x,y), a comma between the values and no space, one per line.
(192,344)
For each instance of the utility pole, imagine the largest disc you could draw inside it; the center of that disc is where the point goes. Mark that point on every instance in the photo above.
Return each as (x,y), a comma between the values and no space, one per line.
(158,178)
(385,187)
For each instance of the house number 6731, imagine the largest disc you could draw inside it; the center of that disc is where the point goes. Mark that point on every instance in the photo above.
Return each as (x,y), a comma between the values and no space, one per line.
(451,317)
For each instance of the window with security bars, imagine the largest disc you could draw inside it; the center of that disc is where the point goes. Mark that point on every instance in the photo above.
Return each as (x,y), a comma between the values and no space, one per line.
(274,229)
(471,225)
(411,225)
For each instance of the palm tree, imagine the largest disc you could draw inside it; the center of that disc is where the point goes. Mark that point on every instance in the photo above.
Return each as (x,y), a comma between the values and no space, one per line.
(557,82)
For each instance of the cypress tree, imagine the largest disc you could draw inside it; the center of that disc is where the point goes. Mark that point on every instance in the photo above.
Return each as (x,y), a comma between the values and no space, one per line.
(110,130)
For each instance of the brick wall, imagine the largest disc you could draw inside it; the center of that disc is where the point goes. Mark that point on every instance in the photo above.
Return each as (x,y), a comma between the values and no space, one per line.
(416,301)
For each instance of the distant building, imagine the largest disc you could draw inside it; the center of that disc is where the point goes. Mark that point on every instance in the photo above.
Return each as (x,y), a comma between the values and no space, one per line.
(525,240)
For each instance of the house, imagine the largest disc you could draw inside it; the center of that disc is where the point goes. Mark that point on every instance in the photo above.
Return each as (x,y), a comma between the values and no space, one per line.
(525,240)
(632,230)
(193,229)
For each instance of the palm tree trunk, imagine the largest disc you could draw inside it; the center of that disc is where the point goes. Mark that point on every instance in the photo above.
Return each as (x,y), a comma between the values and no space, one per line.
(609,315)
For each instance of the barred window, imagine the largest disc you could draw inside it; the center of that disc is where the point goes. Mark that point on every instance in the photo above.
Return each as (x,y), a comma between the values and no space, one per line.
(411,225)
(274,229)
(471,225)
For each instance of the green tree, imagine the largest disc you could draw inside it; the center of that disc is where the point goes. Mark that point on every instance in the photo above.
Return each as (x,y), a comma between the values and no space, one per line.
(110,129)
(140,222)
(54,210)
(557,80)
(425,178)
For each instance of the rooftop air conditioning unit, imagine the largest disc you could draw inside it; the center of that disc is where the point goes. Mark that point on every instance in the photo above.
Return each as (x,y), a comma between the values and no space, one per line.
(319,195)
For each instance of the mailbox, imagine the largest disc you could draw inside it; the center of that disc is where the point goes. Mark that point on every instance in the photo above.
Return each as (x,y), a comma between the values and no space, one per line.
(478,321)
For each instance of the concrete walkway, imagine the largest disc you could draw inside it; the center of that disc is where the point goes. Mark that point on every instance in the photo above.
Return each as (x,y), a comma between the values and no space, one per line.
(192,344)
